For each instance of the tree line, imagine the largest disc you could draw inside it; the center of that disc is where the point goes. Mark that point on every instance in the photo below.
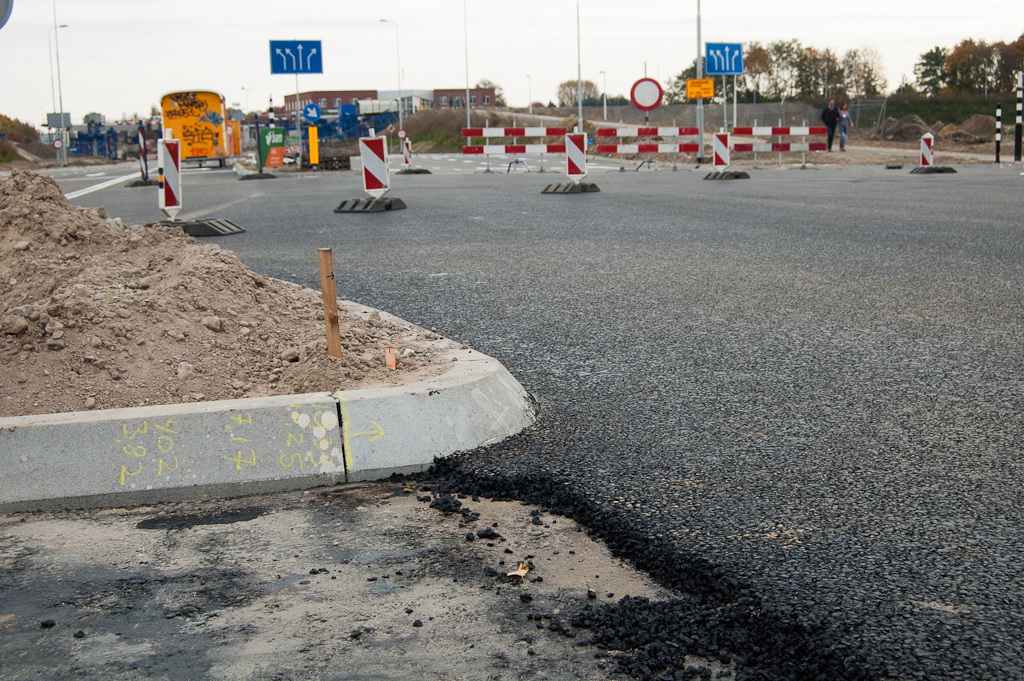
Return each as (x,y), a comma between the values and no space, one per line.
(970,67)
(786,69)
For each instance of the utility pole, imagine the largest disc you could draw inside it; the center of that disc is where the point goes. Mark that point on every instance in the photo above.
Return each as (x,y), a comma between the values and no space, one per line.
(700,101)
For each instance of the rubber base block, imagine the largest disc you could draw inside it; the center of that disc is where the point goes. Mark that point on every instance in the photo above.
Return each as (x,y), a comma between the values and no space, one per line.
(932,170)
(728,175)
(413,171)
(205,227)
(143,183)
(369,205)
(258,176)
(571,188)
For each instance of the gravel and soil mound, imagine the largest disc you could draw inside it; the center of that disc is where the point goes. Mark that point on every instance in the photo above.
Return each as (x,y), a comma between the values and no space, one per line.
(906,129)
(97,314)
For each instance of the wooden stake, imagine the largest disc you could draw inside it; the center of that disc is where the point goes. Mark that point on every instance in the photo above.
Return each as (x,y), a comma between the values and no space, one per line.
(330,302)
(389,358)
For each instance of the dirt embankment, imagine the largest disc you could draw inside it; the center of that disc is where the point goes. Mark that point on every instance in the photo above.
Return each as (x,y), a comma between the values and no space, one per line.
(96,314)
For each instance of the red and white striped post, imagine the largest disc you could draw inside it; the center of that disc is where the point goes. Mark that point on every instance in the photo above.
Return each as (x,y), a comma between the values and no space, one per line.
(721,151)
(576,156)
(406,153)
(927,153)
(169,159)
(373,151)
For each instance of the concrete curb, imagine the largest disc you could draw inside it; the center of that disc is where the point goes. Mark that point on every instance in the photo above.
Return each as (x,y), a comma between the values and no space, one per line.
(232,447)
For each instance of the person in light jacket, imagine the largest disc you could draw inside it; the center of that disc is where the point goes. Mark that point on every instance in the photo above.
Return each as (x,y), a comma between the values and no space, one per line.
(845,123)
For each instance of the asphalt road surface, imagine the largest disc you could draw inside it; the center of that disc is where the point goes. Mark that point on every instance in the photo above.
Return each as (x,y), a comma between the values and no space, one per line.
(797,397)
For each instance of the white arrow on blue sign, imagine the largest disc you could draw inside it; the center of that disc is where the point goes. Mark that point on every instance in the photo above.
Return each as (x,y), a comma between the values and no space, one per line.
(311,112)
(296,56)
(724,59)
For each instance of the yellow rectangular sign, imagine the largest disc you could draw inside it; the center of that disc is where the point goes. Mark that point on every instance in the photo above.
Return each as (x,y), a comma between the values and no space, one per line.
(700,88)
(314,146)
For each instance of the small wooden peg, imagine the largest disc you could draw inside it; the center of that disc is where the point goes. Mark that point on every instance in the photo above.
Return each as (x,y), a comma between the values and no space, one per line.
(330,302)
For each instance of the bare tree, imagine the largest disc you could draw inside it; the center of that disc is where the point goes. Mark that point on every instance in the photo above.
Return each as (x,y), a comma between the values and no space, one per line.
(499,92)
(567,92)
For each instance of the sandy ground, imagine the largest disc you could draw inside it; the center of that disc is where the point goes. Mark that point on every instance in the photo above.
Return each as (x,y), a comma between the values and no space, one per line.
(361,581)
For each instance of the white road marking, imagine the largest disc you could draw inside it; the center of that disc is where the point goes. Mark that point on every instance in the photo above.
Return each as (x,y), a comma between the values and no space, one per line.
(101,185)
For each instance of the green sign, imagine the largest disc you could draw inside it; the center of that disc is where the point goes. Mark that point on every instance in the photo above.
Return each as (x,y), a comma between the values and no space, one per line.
(272,147)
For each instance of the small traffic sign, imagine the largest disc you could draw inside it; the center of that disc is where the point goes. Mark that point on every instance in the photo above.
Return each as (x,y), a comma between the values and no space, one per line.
(391,128)
(724,59)
(646,94)
(401,134)
(702,88)
(311,112)
(57,144)
(296,56)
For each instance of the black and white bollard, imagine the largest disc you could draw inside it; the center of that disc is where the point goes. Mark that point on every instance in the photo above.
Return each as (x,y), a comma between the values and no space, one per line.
(1020,110)
(999,129)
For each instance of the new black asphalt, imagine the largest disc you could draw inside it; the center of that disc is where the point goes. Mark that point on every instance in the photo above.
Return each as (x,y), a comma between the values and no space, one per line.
(797,397)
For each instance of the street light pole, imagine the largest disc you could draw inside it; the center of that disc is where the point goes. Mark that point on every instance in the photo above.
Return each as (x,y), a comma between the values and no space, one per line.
(604,93)
(700,101)
(49,53)
(465,27)
(529,90)
(60,92)
(579,71)
(398,60)
(246,91)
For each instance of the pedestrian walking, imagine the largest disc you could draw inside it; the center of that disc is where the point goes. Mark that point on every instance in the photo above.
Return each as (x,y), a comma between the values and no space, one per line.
(845,123)
(830,117)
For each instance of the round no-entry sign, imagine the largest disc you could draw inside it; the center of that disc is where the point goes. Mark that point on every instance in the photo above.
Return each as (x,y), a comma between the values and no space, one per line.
(646,94)
(401,134)
(57,144)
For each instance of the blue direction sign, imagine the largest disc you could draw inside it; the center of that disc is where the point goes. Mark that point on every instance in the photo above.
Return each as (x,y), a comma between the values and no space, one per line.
(296,56)
(724,59)
(311,112)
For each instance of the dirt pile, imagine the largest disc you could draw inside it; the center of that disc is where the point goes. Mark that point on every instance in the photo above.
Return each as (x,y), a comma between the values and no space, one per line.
(96,314)
(981,126)
(906,129)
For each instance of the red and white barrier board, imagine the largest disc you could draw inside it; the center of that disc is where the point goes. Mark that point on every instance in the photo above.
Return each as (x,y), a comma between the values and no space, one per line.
(406,152)
(927,150)
(785,130)
(513,132)
(373,151)
(514,149)
(576,156)
(169,158)
(647,132)
(721,150)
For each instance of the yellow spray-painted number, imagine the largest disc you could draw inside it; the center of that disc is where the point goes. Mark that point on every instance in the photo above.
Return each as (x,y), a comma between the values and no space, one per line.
(160,467)
(124,472)
(239,460)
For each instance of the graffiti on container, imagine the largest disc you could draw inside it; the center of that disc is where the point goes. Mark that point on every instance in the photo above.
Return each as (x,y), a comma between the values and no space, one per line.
(200,133)
(186,105)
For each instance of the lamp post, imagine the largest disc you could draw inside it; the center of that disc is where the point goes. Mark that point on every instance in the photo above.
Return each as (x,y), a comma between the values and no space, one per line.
(398,60)
(63,155)
(529,90)
(579,72)
(49,52)
(465,28)
(605,94)
(700,101)
(246,91)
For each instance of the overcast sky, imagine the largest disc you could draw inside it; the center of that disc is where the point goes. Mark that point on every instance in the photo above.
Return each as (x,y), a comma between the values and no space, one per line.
(118,57)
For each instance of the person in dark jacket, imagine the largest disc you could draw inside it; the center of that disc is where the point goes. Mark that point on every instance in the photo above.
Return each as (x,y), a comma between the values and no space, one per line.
(830,117)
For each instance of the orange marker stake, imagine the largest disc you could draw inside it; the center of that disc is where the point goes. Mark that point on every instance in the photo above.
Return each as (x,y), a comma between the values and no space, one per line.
(389,358)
